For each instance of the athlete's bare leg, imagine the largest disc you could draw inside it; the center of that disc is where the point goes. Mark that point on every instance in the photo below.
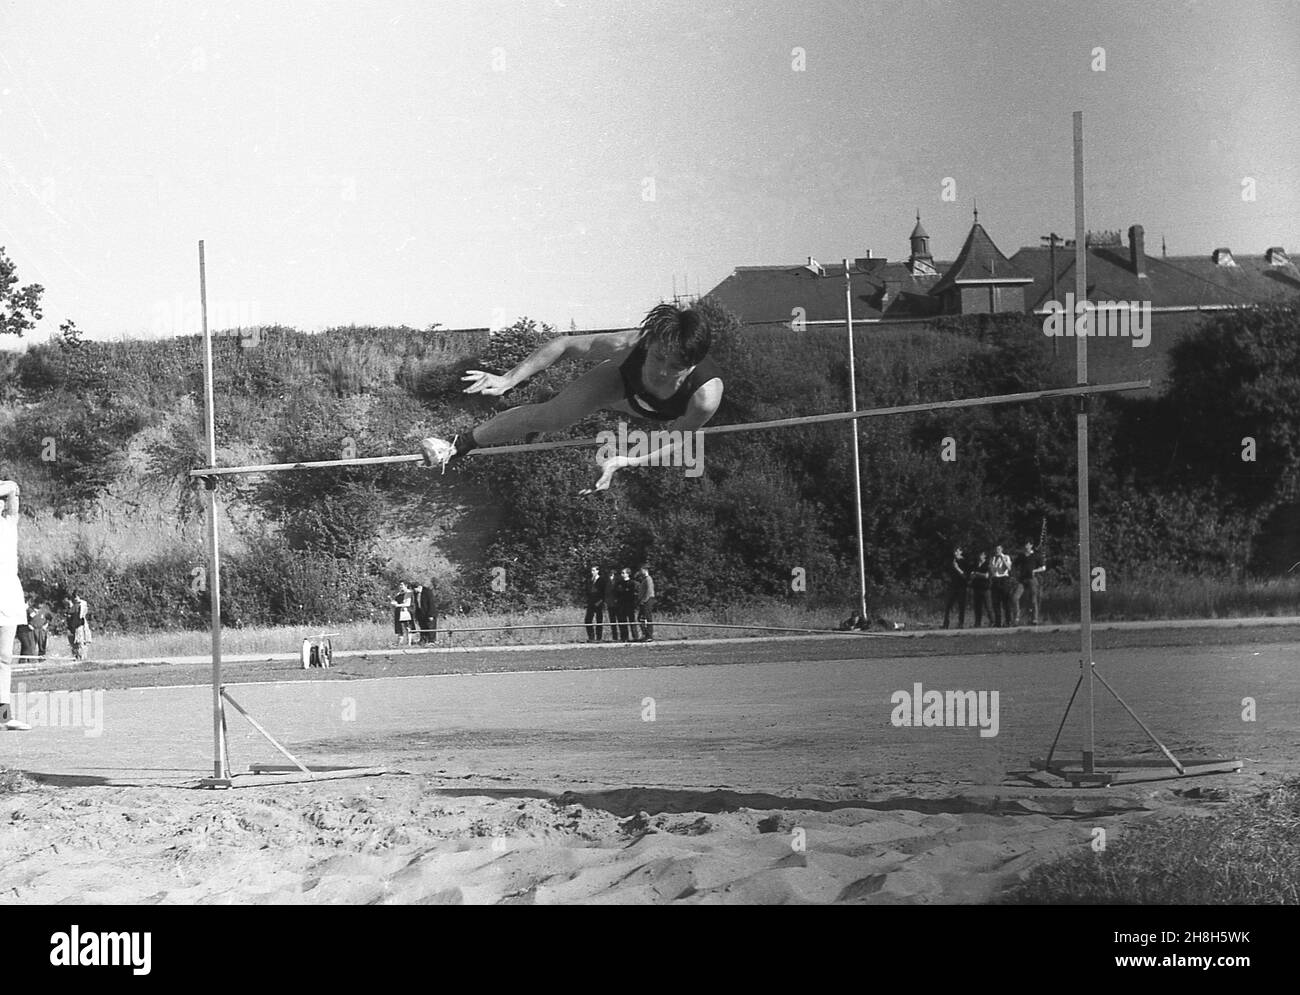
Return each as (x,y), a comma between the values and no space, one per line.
(600,388)
(7,720)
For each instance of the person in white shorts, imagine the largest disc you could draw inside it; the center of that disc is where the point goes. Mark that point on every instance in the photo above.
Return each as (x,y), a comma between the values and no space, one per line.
(13,605)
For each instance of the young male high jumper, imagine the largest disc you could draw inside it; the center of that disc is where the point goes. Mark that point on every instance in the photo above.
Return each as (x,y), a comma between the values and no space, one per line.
(661,371)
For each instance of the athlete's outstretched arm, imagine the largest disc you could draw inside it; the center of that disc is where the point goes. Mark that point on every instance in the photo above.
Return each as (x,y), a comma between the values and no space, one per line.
(596,348)
(702,407)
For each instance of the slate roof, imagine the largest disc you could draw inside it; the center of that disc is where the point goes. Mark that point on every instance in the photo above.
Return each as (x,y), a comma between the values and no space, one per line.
(1173,281)
(980,259)
(769,293)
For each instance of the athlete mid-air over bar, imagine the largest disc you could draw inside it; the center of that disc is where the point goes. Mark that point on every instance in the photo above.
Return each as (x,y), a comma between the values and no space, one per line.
(660,371)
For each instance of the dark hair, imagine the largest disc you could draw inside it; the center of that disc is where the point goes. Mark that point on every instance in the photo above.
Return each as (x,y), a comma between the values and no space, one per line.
(682,331)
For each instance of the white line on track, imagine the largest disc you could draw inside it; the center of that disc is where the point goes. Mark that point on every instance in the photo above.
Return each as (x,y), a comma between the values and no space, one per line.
(487,673)
(399,652)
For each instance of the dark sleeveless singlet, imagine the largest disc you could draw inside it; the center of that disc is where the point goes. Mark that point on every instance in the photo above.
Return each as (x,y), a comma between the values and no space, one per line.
(662,409)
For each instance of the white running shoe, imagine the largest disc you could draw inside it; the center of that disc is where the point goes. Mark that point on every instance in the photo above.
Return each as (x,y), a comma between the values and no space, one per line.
(438,452)
(13,725)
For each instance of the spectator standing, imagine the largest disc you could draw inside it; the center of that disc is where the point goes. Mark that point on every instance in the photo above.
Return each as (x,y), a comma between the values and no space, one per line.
(26,635)
(645,603)
(611,602)
(13,604)
(979,590)
(1000,568)
(957,579)
(40,623)
(430,608)
(78,626)
(625,605)
(418,622)
(1029,571)
(595,606)
(402,620)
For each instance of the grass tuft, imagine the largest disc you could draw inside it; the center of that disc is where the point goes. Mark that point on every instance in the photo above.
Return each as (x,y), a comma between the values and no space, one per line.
(1247,854)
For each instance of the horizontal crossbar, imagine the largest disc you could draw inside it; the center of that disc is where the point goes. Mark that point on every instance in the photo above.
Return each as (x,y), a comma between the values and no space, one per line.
(835,416)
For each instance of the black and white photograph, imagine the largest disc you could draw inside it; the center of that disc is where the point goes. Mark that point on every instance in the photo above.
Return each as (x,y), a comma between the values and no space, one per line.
(563,452)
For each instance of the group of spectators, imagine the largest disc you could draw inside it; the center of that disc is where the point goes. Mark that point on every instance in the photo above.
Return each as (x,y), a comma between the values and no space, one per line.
(629,601)
(34,637)
(414,614)
(996,584)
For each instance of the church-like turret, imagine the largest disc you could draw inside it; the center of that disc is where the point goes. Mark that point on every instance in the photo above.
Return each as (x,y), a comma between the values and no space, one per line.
(920,262)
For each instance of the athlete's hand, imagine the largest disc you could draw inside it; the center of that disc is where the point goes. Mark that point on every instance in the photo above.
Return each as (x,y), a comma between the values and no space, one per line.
(607,470)
(487,384)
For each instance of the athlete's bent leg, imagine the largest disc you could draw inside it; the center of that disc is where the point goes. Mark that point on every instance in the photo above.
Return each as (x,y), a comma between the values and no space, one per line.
(597,389)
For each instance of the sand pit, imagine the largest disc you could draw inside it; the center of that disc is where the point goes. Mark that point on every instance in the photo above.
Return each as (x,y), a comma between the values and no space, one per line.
(408,840)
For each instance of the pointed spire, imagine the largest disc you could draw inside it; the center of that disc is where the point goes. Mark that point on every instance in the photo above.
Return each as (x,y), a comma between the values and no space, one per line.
(1163,251)
(920,262)
(976,202)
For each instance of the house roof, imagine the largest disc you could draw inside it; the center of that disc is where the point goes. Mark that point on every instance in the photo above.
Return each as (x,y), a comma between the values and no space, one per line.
(1173,281)
(887,290)
(980,260)
(770,293)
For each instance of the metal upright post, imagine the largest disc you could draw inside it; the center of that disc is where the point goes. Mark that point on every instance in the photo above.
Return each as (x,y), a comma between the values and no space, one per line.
(1081,361)
(219,771)
(853,427)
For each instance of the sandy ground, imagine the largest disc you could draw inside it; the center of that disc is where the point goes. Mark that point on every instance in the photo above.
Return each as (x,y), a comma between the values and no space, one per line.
(781,780)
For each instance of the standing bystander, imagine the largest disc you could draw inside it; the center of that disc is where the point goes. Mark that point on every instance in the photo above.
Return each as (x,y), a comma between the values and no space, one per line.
(957,579)
(1000,568)
(13,605)
(645,603)
(595,588)
(979,590)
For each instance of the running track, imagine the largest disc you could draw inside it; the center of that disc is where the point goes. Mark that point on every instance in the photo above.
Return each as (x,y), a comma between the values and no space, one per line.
(773,725)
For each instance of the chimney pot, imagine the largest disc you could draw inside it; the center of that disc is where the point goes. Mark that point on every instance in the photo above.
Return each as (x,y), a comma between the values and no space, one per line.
(1137,250)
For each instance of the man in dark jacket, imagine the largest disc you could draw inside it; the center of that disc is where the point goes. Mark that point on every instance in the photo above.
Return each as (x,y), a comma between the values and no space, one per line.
(980,580)
(596,585)
(417,610)
(625,605)
(955,571)
(1029,572)
(427,613)
(645,603)
(611,602)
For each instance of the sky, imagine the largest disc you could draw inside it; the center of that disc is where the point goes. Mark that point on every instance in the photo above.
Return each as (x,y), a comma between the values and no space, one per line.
(466,164)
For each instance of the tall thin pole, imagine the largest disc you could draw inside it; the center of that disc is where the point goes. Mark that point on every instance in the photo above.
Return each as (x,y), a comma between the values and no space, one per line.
(853,427)
(1081,361)
(1052,253)
(219,771)
(1052,241)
